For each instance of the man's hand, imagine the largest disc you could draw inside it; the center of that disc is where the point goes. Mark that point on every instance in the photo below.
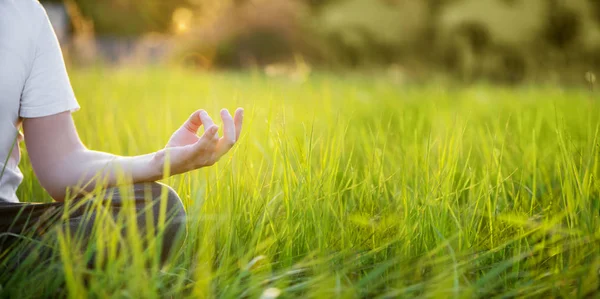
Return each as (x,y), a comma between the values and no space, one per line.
(186,151)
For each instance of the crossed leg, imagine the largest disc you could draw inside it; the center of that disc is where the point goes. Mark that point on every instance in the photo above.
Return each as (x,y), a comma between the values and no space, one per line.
(155,208)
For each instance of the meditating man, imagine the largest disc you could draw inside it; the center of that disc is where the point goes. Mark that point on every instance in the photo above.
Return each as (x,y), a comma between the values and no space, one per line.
(35,92)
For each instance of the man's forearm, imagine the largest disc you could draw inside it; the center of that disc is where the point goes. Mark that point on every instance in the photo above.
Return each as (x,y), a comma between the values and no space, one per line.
(83,170)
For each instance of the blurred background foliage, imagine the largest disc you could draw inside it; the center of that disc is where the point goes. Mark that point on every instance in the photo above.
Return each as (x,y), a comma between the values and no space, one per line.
(499,40)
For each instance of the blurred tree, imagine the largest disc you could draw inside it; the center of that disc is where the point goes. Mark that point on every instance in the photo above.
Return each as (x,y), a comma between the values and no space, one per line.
(128,17)
(234,33)
(564,25)
(316,5)
(363,32)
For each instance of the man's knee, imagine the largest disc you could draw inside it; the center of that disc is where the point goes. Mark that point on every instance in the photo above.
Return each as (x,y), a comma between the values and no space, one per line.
(166,200)
(174,206)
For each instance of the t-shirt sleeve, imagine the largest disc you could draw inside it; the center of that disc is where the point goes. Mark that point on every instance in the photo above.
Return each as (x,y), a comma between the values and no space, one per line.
(47,90)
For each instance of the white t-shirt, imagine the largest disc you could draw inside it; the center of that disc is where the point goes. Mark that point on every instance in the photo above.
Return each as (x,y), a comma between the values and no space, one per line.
(33,81)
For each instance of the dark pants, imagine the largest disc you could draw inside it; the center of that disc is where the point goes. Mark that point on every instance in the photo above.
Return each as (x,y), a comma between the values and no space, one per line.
(153,207)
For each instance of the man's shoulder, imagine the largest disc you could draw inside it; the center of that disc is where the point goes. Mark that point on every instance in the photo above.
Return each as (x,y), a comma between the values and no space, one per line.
(29,11)
(20,25)
(21,4)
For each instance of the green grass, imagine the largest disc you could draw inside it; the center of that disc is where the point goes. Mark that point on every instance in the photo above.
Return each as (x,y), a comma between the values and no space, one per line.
(353,187)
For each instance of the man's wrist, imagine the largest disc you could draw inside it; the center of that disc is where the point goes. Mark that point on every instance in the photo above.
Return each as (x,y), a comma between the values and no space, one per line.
(157,165)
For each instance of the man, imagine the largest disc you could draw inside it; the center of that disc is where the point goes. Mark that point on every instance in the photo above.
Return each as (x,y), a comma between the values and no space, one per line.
(35,93)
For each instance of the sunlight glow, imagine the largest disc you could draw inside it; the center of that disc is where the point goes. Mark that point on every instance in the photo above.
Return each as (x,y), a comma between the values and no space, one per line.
(182,19)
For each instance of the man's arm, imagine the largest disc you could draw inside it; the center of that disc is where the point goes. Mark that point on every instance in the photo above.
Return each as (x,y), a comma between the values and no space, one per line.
(57,155)
(60,160)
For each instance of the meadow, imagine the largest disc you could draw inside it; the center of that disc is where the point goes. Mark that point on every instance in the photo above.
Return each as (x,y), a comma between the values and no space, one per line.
(350,187)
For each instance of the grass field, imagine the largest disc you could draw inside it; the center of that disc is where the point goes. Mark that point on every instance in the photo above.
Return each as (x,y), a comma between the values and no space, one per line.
(353,187)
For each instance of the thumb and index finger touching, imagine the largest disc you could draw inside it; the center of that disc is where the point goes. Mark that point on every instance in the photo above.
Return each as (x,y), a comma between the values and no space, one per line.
(196,120)
(231,126)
